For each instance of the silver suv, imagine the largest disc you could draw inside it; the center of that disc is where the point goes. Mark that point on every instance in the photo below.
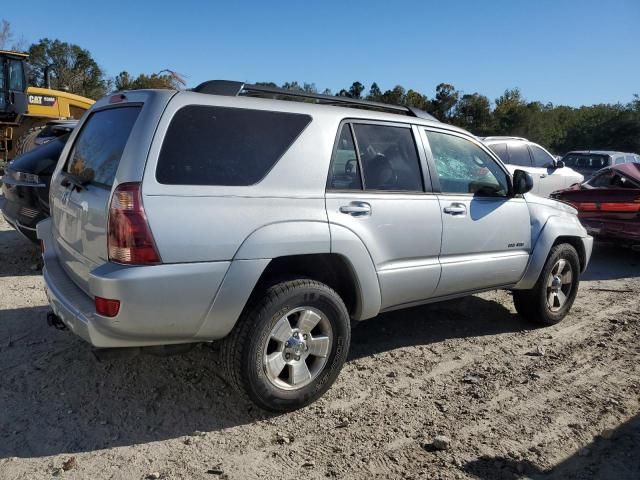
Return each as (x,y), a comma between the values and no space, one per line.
(193,216)
(548,173)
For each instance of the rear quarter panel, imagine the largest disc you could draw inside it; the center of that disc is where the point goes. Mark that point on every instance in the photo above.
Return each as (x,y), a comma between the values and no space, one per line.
(193,223)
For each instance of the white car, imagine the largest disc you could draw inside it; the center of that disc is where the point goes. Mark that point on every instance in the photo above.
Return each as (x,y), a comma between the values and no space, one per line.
(549,174)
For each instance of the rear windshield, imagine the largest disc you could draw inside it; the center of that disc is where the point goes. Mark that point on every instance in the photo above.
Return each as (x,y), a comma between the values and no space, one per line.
(97,150)
(225,146)
(585,160)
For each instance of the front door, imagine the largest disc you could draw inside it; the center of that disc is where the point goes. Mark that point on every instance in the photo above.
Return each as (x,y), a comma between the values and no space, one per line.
(486,232)
(551,178)
(376,189)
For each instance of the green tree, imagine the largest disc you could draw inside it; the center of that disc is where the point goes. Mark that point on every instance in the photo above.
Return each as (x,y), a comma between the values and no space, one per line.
(72,68)
(444,103)
(163,79)
(473,112)
(417,100)
(356,89)
(395,96)
(375,94)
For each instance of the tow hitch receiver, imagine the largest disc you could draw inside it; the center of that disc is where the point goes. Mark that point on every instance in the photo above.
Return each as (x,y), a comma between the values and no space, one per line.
(55,321)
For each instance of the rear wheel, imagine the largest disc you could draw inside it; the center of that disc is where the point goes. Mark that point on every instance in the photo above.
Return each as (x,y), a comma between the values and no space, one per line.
(289,347)
(551,298)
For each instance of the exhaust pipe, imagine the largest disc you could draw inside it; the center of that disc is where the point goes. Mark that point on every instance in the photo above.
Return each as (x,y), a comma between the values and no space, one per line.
(47,79)
(55,321)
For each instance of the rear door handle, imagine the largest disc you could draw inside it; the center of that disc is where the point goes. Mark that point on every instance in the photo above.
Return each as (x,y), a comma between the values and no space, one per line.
(543,175)
(455,209)
(356,209)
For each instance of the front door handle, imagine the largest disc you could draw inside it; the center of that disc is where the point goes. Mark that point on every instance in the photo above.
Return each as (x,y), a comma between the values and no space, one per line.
(356,209)
(455,209)
(543,175)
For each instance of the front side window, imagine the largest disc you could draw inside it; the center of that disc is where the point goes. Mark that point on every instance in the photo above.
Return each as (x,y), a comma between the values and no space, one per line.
(345,172)
(619,160)
(541,159)
(388,157)
(519,155)
(16,76)
(96,153)
(208,145)
(463,167)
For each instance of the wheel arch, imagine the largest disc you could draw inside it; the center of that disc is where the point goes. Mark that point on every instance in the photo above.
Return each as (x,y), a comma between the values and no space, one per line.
(556,230)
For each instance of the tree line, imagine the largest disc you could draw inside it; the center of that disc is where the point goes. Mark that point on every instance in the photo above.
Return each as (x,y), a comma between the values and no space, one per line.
(560,128)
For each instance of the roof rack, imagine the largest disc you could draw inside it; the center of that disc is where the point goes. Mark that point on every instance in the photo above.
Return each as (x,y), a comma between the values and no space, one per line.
(503,137)
(233,88)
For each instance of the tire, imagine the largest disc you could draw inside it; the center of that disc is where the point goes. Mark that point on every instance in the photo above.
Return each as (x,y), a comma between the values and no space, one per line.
(277,327)
(550,299)
(27,141)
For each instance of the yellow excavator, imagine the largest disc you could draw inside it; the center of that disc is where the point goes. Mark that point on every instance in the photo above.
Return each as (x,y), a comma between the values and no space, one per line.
(24,110)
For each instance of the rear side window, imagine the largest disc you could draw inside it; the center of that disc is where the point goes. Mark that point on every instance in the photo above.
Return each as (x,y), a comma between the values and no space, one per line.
(96,153)
(500,149)
(389,158)
(345,171)
(519,155)
(619,160)
(225,146)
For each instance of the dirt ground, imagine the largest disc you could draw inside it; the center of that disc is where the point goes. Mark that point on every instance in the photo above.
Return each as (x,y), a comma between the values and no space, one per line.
(515,401)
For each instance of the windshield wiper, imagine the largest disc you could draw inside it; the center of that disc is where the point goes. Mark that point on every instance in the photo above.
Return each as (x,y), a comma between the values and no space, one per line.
(70,179)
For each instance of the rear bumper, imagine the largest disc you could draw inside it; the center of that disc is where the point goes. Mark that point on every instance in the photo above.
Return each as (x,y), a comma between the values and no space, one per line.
(159,304)
(623,231)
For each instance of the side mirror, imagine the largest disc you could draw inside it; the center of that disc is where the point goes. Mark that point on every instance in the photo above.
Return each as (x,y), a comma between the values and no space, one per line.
(559,164)
(522,182)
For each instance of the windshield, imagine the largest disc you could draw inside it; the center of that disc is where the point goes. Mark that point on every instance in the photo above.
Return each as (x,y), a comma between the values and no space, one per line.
(586,160)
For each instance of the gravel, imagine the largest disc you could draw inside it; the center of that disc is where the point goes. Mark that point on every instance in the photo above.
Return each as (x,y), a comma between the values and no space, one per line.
(520,415)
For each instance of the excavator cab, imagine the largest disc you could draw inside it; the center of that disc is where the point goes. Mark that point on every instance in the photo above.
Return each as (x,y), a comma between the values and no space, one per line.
(13,86)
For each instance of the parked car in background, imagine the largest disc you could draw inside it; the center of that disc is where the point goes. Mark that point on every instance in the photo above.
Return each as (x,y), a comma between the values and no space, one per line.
(548,173)
(588,162)
(25,184)
(191,216)
(609,203)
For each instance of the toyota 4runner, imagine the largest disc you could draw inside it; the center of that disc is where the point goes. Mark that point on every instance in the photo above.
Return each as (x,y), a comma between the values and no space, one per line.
(193,216)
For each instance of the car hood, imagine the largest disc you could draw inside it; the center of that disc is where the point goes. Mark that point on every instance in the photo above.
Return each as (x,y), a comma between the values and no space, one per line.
(550,204)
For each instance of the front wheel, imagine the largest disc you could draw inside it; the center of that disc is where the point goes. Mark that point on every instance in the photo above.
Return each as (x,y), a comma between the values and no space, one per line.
(551,298)
(289,347)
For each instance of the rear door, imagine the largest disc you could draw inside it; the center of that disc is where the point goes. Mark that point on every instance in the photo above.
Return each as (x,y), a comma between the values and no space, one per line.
(377,190)
(486,235)
(81,190)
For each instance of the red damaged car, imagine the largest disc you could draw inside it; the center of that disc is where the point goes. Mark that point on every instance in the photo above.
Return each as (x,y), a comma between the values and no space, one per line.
(608,203)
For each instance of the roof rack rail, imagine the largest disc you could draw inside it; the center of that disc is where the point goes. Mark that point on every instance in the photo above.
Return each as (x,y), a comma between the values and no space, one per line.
(503,137)
(233,88)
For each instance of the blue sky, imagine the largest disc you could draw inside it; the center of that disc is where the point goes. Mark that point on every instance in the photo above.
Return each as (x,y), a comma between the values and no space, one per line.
(565,51)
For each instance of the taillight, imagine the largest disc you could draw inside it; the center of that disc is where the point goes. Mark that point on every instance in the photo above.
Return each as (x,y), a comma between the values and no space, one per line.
(129,236)
(611,207)
(42,247)
(107,307)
